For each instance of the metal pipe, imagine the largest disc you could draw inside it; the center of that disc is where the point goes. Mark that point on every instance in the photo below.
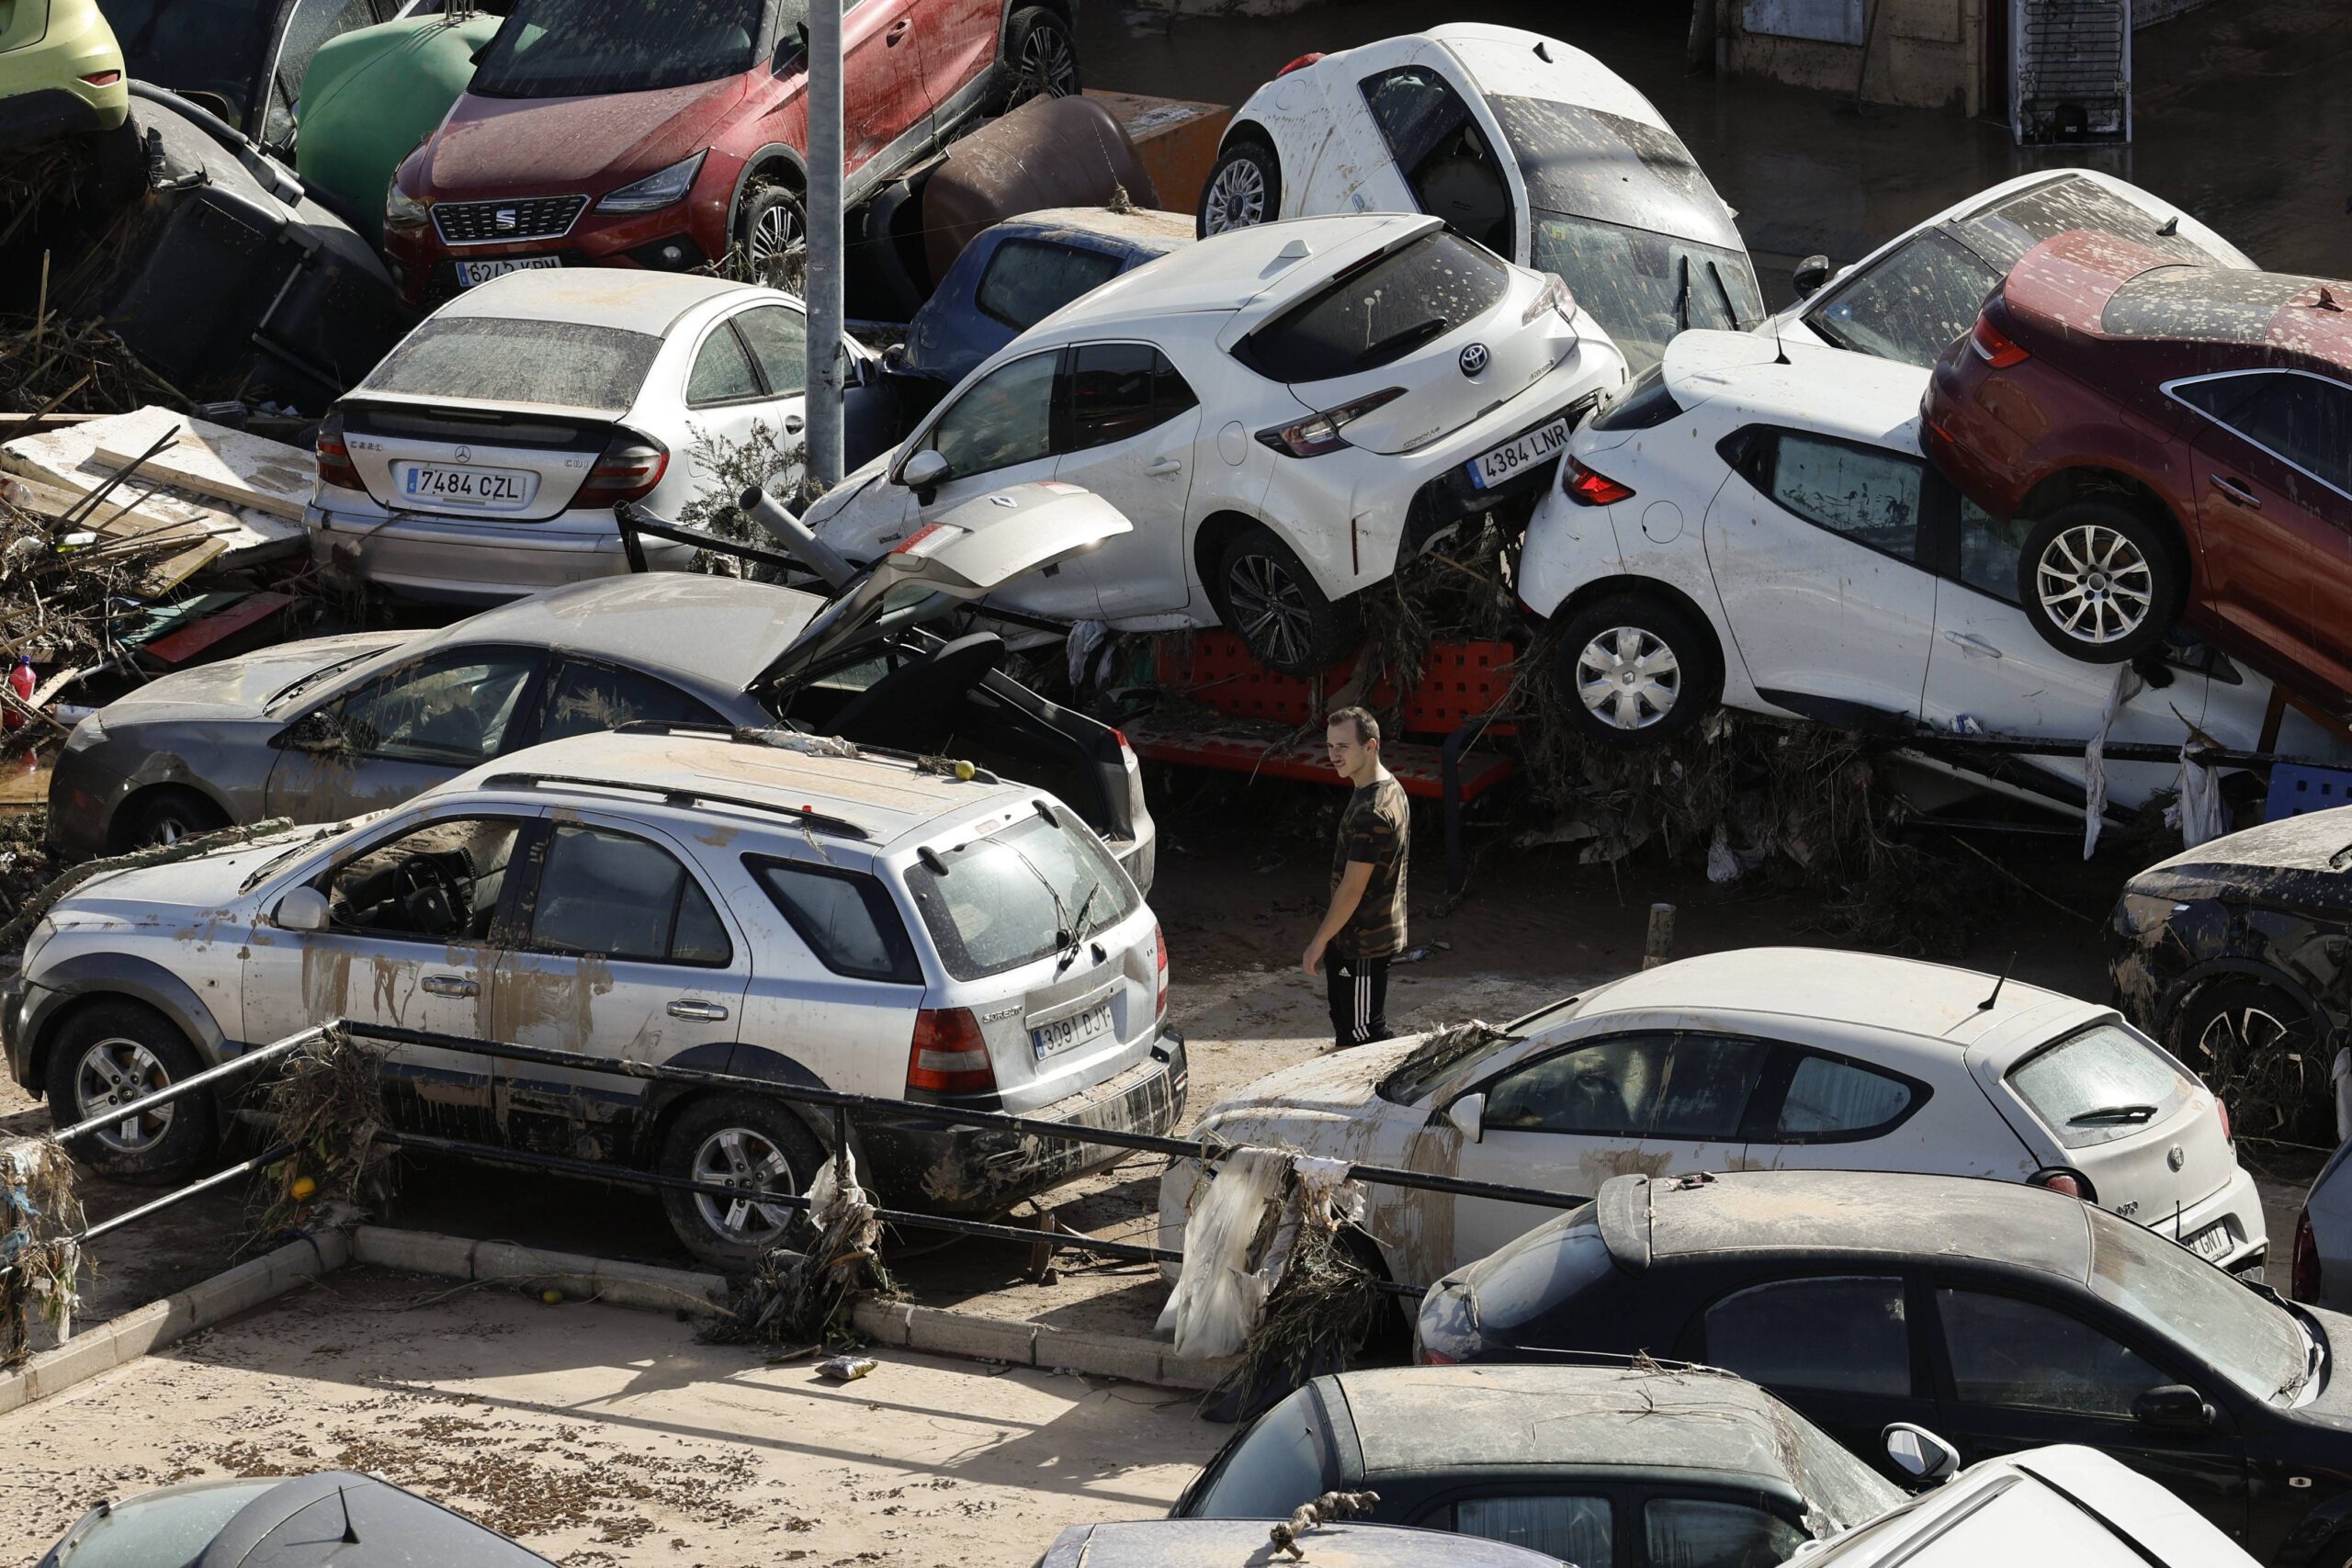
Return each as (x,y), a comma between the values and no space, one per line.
(825,285)
(193,1082)
(1033,1126)
(797,538)
(218,1179)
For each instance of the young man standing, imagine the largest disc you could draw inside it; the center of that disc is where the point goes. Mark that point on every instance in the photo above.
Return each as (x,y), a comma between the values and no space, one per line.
(1364,927)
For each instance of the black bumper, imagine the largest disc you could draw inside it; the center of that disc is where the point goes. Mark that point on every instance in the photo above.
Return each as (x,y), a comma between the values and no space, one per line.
(944,1170)
(1453,494)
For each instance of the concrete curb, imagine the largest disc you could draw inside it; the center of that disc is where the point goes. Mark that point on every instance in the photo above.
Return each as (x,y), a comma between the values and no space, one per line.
(617,1284)
(158,1323)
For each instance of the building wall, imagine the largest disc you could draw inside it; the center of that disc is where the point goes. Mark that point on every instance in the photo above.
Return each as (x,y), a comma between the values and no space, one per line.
(1922,53)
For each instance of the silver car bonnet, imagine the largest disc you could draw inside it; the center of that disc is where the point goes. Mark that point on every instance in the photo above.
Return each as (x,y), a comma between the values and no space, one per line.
(242,688)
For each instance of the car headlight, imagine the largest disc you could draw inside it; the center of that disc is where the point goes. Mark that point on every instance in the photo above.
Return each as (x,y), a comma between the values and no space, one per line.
(656,191)
(91,731)
(403,210)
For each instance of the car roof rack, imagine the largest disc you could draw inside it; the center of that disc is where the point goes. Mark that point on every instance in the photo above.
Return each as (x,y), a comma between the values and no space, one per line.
(672,795)
(744,735)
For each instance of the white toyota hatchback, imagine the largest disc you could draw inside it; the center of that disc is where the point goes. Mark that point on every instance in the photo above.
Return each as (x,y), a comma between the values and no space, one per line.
(1285,413)
(1766,1058)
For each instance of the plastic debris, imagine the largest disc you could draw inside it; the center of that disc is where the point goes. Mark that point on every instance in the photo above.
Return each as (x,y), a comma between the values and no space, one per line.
(847,1368)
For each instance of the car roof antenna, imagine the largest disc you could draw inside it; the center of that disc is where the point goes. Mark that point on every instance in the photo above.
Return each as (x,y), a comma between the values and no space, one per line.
(2171,226)
(1987,1005)
(350,1531)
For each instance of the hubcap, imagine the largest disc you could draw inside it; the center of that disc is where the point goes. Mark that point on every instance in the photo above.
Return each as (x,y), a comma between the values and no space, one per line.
(1628,678)
(2095,583)
(1270,610)
(1047,64)
(739,1157)
(114,1073)
(1237,196)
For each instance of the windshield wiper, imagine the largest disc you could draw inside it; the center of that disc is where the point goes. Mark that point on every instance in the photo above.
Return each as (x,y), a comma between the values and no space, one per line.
(2112,1114)
(1075,933)
(1683,294)
(1419,332)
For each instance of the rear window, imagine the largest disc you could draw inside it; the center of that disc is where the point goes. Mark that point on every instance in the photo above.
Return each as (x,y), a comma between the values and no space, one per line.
(2101,1084)
(2006,233)
(845,917)
(498,361)
(1271,1468)
(1028,280)
(2201,304)
(1377,313)
(1017,896)
(1542,1268)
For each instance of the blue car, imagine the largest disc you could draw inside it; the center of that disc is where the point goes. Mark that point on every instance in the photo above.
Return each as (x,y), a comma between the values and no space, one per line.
(1014,276)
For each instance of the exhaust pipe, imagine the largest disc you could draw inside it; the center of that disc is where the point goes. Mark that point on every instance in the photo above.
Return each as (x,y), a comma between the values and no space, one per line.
(796,537)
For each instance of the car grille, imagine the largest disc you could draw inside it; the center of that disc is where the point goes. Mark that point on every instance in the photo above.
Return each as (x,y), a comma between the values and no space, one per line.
(498,222)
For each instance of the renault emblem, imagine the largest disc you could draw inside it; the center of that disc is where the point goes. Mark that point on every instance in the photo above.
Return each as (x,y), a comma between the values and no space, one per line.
(1474,360)
(2175,1158)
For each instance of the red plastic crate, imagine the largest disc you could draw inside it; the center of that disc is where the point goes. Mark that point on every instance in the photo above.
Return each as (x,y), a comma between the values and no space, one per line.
(1461,682)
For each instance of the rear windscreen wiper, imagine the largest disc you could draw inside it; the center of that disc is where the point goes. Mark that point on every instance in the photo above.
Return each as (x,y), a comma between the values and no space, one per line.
(2112,1114)
(1419,331)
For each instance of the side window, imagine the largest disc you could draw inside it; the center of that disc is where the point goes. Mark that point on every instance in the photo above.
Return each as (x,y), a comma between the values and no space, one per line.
(1910,305)
(779,340)
(845,917)
(1006,417)
(1829,1335)
(1573,1529)
(617,896)
(1118,390)
(438,882)
(1438,147)
(1870,496)
(452,710)
(2006,1351)
(1027,280)
(1830,1099)
(722,371)
(2308,421)
(587,698)
(1707,1085)
(1635,1086)
(1273,1467)
(1989,550)
(1697,1532)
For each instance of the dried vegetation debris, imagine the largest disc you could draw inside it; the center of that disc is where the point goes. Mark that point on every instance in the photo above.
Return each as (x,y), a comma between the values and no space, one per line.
(39,1257)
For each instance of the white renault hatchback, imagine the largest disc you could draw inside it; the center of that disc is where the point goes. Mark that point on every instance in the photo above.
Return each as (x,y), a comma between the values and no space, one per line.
(1762,1060)
(1285,413)
(768,904)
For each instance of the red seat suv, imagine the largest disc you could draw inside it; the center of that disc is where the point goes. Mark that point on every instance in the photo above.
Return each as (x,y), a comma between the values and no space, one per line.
(665,133)
(2169,443)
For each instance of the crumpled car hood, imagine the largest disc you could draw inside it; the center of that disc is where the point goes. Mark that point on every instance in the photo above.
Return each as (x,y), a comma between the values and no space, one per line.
(554,146)
(237,688)
(1342,1083)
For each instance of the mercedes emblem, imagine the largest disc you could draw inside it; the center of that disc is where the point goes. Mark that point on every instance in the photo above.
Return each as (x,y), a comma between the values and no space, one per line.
(2175,1158)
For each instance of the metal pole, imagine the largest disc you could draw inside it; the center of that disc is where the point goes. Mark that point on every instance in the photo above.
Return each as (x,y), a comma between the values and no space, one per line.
(170,1092)
(825,285)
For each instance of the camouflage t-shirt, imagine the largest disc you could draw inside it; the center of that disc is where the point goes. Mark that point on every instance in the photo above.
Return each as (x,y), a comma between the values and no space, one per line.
(1376,828)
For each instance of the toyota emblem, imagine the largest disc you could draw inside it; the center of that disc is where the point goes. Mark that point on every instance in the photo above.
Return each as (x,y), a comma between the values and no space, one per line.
(465,454)
(2175,1158)
(1474,360)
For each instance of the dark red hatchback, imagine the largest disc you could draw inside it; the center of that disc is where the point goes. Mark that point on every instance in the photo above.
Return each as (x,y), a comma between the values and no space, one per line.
(2173,446)
(663,134)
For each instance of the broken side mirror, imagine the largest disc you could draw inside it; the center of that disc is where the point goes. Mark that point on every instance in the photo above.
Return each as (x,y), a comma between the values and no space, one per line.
(1810,275)
(1922,1457)
(924,473)
(302,909)
(315,731)
(1468,1114)
(2173,1407)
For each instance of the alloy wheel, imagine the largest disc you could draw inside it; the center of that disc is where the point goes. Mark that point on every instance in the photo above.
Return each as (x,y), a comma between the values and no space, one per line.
(1047,64)
(1270,610)
(1237,196)
(1628,678)
(777,233)
(2095,584)
(115,1072)
(2236,1035)
(740,1157)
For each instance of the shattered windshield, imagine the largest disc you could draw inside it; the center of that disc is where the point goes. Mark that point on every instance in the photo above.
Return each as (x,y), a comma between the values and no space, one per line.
(569,48)
(1437,1058)
(1644,286)
(2254,1342)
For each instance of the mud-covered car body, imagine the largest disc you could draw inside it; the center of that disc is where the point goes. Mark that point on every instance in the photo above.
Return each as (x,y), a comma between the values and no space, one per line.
(2239,945)
(302,1521)
(777,905)
(1221,1543)
(332,727)
(1763,1058)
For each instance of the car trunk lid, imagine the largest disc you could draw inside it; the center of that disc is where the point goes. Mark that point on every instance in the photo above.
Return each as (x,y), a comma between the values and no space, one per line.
(518,463)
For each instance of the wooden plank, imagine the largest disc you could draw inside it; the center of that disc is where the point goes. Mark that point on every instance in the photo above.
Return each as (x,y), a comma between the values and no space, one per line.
(217,462)
(113,519)
(65,460)
(178,646)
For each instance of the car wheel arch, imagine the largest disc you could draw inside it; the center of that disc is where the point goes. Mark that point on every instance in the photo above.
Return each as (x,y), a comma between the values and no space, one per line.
(1601,588)
(777,163)
(1215,532)
(127,809)
(1062,8)
(670,1100)
(2093,482)
(1256,131)
(91,979)
(2200,977)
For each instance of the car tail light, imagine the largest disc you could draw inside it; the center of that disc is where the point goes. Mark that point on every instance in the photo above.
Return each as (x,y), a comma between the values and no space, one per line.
(2228,1134)
(1586,488)
(2073,1183)
(1159,947)
(948,1054)
(1302,62)
(630,470)
(1556,296)
(103,78)
(334,458)
(1993,347)
(2303,1281)
(1318,433)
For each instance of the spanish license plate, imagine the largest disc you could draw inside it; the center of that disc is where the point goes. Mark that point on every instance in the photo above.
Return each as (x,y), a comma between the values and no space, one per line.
(483,490)
(472,271)
(1068,1033)
(1513,457)
(2214,1243)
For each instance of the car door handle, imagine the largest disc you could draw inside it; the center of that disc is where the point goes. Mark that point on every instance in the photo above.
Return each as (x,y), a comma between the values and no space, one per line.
(698,1011)
(451,986)
(1969,642)
(793,423)
(897,30)
(1162,469)
(2237,492)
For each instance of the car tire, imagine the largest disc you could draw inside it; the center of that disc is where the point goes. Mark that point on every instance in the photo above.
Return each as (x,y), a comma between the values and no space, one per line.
(2100,582)
(732,1139)
(1634,669)
(116,1051)
(1270,599)
(167,815)
(1243,190)
(1040,56)
(771,227)
(2229,1026)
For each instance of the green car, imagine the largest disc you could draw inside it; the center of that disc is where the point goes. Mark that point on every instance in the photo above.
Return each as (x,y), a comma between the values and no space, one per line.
(61,71)
(371,95)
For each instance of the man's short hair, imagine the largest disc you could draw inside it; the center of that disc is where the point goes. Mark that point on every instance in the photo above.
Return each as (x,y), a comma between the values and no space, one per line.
(1367,726)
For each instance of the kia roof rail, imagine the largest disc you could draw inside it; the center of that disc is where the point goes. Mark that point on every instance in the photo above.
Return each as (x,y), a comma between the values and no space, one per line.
(809,744)
(672,795)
